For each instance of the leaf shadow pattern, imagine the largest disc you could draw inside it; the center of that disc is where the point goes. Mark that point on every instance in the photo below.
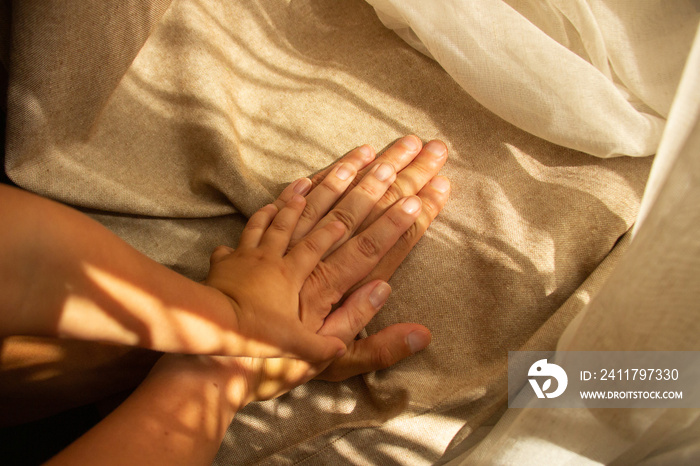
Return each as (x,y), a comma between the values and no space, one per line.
(527,223)
(228,100)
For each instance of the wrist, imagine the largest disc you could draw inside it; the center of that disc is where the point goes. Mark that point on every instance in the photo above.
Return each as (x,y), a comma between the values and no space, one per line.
(221,381)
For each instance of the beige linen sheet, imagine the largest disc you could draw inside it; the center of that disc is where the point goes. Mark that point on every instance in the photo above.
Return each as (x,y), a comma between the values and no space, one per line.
(170,122)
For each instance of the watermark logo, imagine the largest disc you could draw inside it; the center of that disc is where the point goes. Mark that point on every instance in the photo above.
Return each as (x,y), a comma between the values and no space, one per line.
(542,368)
(604,379)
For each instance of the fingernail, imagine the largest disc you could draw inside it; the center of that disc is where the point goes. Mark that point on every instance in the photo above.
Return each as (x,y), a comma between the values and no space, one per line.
(366,151)
(409,143)
(344,172)
(436,148)
(416,341)
(379,295)
(411,205)
(302,185)
(384,171)
(440,183)
(340,353)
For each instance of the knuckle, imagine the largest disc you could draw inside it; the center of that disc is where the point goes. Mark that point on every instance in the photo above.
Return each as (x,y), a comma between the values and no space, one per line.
(317,179)
(368,246)
(393,194)
(355,181)
(369,190)
(331,188)
(324,283)
(411,236)
(430,208)
(345,217)
(397,220)
(280,225)
(356,321)
(383,358)
(425,170)
(255,223)
(310,213)
(311,246)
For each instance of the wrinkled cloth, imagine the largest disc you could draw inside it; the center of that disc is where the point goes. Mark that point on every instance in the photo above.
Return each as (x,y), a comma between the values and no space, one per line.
(594,75)
(172,122)
(650,302)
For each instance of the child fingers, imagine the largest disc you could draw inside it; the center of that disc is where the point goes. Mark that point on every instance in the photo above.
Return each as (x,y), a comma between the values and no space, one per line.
(301,187)
(219,253)
(325,188)
(276,237)
(256,226)
(304,257)
(411,179)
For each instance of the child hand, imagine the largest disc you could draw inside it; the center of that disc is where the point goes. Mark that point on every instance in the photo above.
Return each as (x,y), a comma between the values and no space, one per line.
(262,283)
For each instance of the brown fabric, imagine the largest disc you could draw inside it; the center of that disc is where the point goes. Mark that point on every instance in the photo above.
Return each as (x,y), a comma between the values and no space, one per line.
(171,123)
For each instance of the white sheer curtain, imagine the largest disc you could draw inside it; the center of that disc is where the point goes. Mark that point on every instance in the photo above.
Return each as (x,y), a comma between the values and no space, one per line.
(650,302)
(593,75)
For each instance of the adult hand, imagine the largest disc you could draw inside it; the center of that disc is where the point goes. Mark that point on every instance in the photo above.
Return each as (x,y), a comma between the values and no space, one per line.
(361,193)
(351,192)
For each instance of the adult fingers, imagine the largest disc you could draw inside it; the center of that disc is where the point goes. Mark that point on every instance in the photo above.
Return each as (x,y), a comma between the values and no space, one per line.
(411,179)
(356,312)
(399,155)
(328,186)
(356,159)
(378,351)
(354,260)
(434,196)
(360,201)
(359,158)
(362,253)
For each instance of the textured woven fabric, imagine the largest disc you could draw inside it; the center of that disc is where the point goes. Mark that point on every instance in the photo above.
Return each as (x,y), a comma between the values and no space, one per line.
(170,122)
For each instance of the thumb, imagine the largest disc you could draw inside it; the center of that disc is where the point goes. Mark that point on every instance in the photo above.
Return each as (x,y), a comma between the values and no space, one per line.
(315,348)
(378,351)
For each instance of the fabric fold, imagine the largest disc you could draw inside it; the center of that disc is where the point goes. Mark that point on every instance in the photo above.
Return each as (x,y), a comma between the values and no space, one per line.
(591,75)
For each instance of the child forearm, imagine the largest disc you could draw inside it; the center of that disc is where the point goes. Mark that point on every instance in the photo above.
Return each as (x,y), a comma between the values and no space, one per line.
(63,274)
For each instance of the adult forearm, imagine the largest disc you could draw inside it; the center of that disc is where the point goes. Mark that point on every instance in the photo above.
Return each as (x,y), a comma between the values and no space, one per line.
(63,274)
(178,415)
